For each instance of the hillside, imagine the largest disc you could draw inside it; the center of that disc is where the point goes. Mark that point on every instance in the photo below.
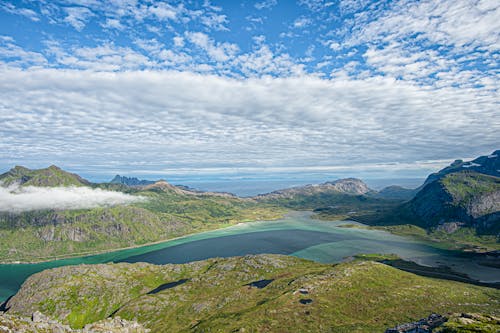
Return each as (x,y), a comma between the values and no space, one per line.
(396,192)
(164,211)
(331,200)
(458,205)
(264,293)
(350,186)
(51,176)
(464,199)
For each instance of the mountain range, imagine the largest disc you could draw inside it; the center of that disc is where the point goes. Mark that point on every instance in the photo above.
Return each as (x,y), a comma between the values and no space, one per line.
(463,195)
(259,293)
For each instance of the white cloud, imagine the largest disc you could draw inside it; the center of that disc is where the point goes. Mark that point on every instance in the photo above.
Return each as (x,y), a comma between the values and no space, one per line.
(113,24)
(424,41)
(216,51)
(316,5)
(301,22)
(26,12)
(267,4)
(163,11)
(178,41)
(78,16)
(174,119)
(17,55)
(21,199)
(215,21)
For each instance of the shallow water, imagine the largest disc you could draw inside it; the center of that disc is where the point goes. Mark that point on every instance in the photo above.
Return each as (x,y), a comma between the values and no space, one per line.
(297,235)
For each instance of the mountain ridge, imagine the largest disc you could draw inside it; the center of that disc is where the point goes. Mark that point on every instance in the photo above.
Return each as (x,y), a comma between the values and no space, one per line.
(224,294)
(130,181)
(46,177)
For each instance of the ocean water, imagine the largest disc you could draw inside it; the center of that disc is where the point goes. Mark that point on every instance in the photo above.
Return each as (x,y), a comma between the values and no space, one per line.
(296,234)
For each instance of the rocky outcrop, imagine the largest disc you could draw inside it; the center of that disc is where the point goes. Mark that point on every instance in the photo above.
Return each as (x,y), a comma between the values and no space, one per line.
(39,323)
(350,186)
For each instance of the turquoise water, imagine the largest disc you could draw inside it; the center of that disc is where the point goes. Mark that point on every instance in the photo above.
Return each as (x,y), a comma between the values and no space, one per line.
(297,235)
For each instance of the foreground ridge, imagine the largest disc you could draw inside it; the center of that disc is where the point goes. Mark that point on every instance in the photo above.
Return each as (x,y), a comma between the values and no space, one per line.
(258,293)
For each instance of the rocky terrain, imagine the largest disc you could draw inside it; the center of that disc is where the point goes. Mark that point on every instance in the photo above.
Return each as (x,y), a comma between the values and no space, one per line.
(263,293)
(350,186)
(39,323)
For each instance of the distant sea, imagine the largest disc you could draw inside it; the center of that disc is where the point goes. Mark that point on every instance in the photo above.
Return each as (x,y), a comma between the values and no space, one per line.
(251,187)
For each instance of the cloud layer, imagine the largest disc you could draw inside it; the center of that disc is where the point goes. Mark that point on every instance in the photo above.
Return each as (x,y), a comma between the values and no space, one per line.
(151,86)
(175,119)
(22,199)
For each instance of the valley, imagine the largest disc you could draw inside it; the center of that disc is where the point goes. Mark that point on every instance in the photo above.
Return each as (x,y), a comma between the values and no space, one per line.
(151,245)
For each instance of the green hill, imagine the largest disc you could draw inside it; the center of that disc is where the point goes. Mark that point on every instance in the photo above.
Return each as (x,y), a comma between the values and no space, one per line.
(51,176)
(166,212)
(264,293)
(468,198)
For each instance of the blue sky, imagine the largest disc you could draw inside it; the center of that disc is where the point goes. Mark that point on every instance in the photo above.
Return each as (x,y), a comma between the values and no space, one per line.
(385,88)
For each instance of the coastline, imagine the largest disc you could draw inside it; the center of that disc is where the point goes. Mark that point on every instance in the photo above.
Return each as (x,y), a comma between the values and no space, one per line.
(98,252)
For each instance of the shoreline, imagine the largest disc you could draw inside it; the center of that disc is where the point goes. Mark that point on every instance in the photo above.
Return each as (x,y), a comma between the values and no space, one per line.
(98,252)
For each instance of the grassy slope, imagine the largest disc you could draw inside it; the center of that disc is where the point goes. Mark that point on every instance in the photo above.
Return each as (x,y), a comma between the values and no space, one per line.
(463,188)
(333,204)
(164,215)
(51,176)
(351,297)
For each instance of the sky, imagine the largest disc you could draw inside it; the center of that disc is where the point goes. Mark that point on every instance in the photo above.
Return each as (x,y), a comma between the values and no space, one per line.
(241,88)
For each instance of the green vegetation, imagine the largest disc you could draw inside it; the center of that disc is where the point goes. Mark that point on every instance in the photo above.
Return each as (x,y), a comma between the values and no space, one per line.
(470,323)
(464,186)
(45,235)
(51,176)
(360,296)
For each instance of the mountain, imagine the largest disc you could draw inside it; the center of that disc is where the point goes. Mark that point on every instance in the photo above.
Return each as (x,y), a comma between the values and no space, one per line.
(130,181)
(338,199)
(396,192)
(50,177)
(487,165)
(162,211)
(462,196)
(261,293)
(466,197)
(350,186)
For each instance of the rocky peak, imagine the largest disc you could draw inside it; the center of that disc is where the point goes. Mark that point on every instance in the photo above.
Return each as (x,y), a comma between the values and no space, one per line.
(130,181)
(349,186)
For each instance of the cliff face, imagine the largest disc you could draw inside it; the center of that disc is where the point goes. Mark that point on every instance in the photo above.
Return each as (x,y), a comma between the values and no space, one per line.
(465,196)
